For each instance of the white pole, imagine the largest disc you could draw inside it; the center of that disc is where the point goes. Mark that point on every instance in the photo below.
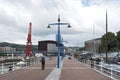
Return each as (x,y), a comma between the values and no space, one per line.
(2,68)
(94,50)
(94,65)
(12,55)
(34,60)
(13,66)
(101,67)
(111,72)
(26,63)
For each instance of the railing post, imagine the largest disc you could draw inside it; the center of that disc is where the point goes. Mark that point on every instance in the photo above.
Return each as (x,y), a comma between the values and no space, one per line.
(94,65)
(2,68)
(111,72)
(26,63)
(34,60)
(13,66)
(30,62)
(101,67)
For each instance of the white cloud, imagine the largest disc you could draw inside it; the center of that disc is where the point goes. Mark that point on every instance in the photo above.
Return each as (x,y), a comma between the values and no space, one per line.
(15,16)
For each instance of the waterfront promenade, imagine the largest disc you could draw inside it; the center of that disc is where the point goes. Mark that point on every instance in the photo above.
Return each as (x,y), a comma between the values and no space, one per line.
(70,70)
(33,72)
(74,70)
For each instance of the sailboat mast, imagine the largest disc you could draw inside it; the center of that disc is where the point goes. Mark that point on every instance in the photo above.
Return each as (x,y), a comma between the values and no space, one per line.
(94,50)
(106,37)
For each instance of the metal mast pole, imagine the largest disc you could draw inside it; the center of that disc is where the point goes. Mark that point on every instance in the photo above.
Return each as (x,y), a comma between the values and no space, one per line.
(94,50)
(106,38)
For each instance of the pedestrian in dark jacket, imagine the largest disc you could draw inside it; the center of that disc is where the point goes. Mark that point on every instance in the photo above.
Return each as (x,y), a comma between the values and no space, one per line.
(43,63)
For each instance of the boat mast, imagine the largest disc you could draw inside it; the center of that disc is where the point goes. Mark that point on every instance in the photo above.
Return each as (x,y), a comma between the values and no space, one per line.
(106,40)
(94,50)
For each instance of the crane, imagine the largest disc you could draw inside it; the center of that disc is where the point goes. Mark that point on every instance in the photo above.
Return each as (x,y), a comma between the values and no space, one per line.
(28,51)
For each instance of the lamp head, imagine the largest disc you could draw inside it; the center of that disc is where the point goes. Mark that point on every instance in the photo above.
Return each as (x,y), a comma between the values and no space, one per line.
(69,26)
(48,26)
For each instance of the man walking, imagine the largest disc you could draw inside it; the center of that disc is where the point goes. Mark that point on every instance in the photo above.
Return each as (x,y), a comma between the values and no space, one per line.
(43,63)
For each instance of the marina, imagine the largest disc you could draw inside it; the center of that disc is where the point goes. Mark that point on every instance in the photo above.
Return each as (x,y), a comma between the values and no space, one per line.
(59,40)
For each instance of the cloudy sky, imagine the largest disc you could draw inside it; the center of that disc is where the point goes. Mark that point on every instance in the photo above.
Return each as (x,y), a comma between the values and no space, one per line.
(15,16)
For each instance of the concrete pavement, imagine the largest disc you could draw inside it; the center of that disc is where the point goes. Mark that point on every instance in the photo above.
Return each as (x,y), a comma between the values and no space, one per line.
(70,70)
(33,72)
(73,70)
(55,74)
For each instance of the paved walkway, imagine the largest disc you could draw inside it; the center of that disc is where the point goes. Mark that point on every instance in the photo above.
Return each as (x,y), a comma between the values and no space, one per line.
(30,73)
(71,70)
(55,74)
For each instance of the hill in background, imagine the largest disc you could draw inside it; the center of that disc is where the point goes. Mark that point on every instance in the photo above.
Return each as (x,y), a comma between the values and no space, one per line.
(19,47)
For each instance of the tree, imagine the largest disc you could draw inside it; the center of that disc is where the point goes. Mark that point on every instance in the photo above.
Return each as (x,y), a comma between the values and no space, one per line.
(111,42)
(118,41)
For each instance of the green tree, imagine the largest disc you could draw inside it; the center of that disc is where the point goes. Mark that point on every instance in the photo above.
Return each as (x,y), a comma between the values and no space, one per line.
(111,41)
(81,49)
(118,41)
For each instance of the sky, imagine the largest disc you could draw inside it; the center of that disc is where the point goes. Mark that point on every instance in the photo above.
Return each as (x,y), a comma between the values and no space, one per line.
(15,16)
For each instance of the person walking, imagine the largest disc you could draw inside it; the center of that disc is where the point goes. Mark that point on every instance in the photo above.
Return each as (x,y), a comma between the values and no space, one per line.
(42,63)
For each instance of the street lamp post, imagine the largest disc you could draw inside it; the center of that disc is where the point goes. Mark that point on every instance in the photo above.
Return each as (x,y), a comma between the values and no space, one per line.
(59,40)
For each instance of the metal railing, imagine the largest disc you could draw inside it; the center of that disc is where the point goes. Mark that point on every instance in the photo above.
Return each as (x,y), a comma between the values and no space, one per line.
(107,69)
(110,70)
(12,66)
(5,67)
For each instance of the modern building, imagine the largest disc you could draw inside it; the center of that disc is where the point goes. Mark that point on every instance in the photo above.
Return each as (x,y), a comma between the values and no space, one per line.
(48,47)
(1,49)
(7,49)
(93,45)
